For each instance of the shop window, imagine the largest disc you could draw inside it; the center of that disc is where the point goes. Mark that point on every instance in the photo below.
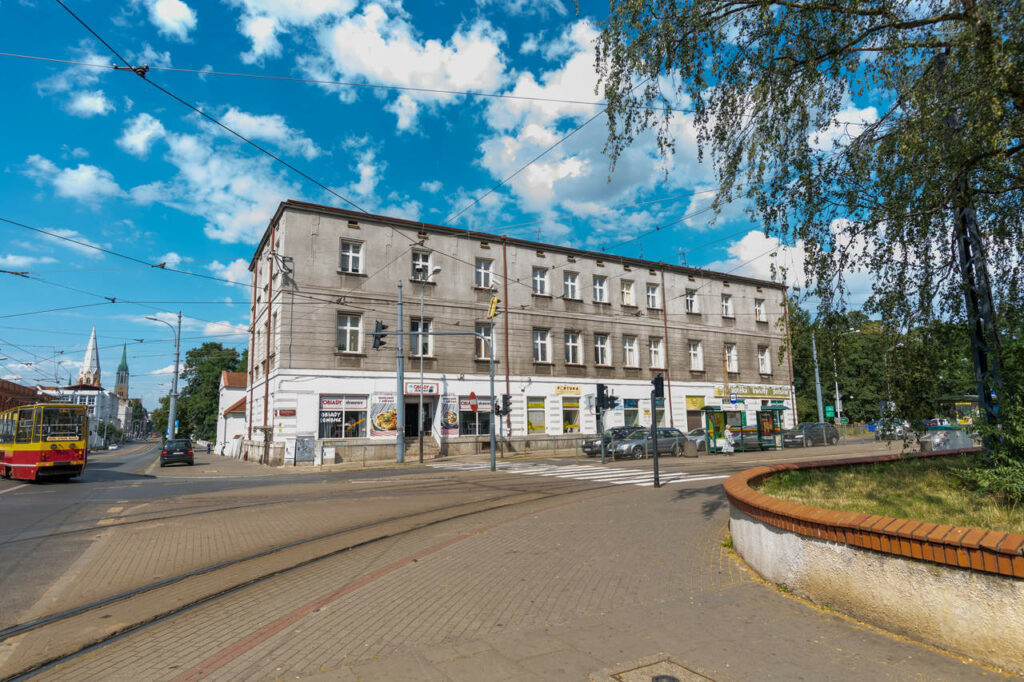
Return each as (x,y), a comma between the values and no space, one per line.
(631,411)
(475,423)
(343,416)
(536,415)
(571,414)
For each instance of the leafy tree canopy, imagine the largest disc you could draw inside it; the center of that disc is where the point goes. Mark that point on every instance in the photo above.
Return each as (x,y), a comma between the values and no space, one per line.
(197,405)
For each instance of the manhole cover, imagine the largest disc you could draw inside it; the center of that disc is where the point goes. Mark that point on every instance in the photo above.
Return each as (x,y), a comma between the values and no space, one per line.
(662,671)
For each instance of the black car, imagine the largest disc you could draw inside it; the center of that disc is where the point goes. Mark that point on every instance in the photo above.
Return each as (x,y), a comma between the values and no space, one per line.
(593,447)
(177,450)
(810,433)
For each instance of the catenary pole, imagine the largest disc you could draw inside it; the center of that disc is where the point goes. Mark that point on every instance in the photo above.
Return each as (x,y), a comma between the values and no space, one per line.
(490,345)
(817,379)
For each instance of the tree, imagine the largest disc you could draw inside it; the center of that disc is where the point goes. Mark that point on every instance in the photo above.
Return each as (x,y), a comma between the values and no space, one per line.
(243,362)
(198,403)
(771,85)
(158,417)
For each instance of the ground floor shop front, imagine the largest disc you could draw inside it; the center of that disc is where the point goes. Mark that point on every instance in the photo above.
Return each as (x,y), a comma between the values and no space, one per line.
(313,417)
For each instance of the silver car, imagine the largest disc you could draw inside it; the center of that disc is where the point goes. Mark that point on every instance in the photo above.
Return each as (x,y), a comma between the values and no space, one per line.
(670,442)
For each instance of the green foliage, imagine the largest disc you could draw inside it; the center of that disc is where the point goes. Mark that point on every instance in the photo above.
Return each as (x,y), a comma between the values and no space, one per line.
(1003,475)
(243,362)
(197,405)
(158,417)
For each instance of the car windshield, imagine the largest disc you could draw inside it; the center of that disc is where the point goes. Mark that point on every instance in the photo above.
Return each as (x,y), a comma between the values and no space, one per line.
(696,432)
(177,444)
(618,433)
(62,423)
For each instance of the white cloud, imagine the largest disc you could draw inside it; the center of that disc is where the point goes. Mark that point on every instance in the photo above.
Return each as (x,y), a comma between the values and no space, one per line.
(73,152)
(172,18)
(225,329)
(522,7)
(433,186)
(150,56)
(271,128)
(16,261)
(78,237)
(86,183)
(170,259)
(87,103)
(263,20)
(847,125)
(141,133)
(237,270)
(369,175)
(168,370)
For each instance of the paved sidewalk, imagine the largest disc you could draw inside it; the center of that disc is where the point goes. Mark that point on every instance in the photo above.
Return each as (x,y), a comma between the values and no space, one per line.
(580,587)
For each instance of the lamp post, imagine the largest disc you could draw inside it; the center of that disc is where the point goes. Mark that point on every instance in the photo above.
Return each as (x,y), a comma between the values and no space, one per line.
(172,410)
(424,278)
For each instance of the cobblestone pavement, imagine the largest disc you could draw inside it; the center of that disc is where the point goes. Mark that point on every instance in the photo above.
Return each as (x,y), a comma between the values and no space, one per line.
(581,586)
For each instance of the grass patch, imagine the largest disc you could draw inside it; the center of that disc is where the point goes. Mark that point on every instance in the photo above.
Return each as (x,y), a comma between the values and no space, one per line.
(933,489)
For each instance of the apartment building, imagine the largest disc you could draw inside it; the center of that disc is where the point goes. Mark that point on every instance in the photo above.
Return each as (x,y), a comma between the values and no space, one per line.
(568,320)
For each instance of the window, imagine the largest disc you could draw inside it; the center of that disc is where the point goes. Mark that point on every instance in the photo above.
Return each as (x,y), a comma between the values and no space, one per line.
(351,257)
(600,289)
(422,339)
(696,356)
(483,351)
(654,346)
(475,423)
(573,349)
(571,414)
(764,360)
(420,265)
(483,274)
(343,416)
(732,360)
(759,313)
(600,349)
(692,304)
(631,411)
(569,286)
(350,333)
(535,415)
(541,346)
(627,293)
(629,357)
(653,296)
(540,281)
(727,305)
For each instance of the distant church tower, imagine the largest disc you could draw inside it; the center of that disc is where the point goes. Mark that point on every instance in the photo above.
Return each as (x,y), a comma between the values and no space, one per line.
(121,385)
(90,372)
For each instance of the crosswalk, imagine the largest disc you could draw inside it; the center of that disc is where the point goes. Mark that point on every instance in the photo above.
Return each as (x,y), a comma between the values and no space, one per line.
(581,472)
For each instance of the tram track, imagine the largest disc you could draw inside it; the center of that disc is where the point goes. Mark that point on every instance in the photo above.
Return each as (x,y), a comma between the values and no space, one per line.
(67,634)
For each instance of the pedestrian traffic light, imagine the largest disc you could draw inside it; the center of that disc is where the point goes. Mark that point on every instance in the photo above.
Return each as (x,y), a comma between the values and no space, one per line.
(492,310)
(659,386)
(378,334)
(602,397)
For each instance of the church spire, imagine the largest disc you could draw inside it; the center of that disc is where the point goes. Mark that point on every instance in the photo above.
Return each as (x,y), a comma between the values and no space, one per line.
(90,372)
(121,384)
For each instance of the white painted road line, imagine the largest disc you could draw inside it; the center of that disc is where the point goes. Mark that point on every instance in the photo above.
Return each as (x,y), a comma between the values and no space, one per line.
(17,487)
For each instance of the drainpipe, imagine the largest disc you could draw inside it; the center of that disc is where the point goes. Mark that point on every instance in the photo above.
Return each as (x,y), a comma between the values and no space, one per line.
(664,321)
(252,351)
(268,435)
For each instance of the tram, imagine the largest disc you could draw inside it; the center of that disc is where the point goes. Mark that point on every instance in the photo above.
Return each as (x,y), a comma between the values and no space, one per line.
(46,441)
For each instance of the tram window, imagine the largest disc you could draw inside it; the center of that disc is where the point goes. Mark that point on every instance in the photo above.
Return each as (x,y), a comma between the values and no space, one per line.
(61,423)
(23,434)
(7,427)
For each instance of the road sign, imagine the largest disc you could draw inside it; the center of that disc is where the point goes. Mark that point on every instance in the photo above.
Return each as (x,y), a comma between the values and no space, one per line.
(473,404)
(830,411)
(732,398)
(844,420)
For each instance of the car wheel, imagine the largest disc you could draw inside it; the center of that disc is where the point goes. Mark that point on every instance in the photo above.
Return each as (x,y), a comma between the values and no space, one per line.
(835,440)
(701,447)
(638,452)
(675,450)
(807,442)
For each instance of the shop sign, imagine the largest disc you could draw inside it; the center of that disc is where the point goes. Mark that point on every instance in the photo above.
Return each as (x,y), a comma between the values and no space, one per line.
(449,416)
(281,412)
(472,404)
(694,402)
(337,403)
(384,415)
(752,391)
(567,389)
(426,388)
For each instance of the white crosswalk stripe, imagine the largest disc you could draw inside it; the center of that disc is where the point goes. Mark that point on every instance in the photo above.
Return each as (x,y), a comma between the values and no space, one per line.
(580,472)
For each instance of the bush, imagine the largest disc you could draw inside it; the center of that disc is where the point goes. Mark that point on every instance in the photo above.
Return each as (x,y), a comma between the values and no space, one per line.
(1001,473)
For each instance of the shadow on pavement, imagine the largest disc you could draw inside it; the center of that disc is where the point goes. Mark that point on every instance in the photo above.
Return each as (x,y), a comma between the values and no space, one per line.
(708,506)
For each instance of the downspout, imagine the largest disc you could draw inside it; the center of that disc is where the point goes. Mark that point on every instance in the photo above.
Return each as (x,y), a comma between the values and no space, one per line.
(664,320)
(252,350)
(268,434)
(508,389)
(789,357)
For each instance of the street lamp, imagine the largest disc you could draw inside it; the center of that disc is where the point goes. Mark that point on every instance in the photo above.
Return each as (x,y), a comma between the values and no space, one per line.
(172,410)
(421,273)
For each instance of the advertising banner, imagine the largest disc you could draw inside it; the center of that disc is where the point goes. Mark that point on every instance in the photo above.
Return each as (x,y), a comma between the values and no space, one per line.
(449,415)
(337,403)
(384,415)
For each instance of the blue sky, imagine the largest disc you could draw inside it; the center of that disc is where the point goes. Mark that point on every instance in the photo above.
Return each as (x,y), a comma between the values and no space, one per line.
(102,157)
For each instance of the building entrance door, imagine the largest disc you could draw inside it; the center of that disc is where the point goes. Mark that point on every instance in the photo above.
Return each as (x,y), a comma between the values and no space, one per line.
(414,421)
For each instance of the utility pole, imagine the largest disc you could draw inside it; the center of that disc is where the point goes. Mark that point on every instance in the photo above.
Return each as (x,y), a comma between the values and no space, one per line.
(424,276)
(400,390)
(172,409)
(817,379)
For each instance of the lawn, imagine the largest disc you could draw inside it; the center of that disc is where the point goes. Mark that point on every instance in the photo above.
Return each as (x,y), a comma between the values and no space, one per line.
(919,489)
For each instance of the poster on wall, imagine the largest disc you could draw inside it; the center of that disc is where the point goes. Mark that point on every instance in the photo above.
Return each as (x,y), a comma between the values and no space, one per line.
(384,415)
(449,415)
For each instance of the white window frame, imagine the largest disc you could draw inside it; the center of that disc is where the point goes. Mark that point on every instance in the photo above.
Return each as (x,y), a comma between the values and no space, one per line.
(542,346)
(421,259)
(482,273)
(482,352)
(354,256)
(600,289)
(573,348)
(422,330)
(540,281)
(601,349)
(732,358)
(628,292)
(764,360)
(727,310)
(630,357)
(692,301)
(571,286)
(654,296)
(760,315)
(696,356)
(349,329)
(655,352)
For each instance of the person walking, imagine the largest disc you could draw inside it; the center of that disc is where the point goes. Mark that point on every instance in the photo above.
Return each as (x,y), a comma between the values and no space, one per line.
(729,447)
(207,447)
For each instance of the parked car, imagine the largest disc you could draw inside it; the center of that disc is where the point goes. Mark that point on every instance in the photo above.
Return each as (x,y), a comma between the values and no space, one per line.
(891,429)
(177,450)
(112,446)
(641,444)
(700,439)
(810,433)
(593,447)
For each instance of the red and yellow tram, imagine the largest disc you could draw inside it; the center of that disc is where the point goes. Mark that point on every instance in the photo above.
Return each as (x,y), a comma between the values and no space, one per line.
(47,441)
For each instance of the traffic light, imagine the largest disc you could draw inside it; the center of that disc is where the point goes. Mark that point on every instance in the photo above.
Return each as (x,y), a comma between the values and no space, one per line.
(506,404)
(602,397)
(659,386)
(493,309)
(611,402)
(378,334)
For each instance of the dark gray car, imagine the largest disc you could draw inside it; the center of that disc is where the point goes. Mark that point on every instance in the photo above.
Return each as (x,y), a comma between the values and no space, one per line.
(670,442)
(177,450)
(808,434)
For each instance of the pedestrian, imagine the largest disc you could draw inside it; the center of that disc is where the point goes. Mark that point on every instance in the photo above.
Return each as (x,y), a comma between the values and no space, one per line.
(729,442)
(207,447)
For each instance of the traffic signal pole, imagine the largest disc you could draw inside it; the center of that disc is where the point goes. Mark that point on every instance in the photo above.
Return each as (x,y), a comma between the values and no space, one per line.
(400,386)
(657,392)
(602,403)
